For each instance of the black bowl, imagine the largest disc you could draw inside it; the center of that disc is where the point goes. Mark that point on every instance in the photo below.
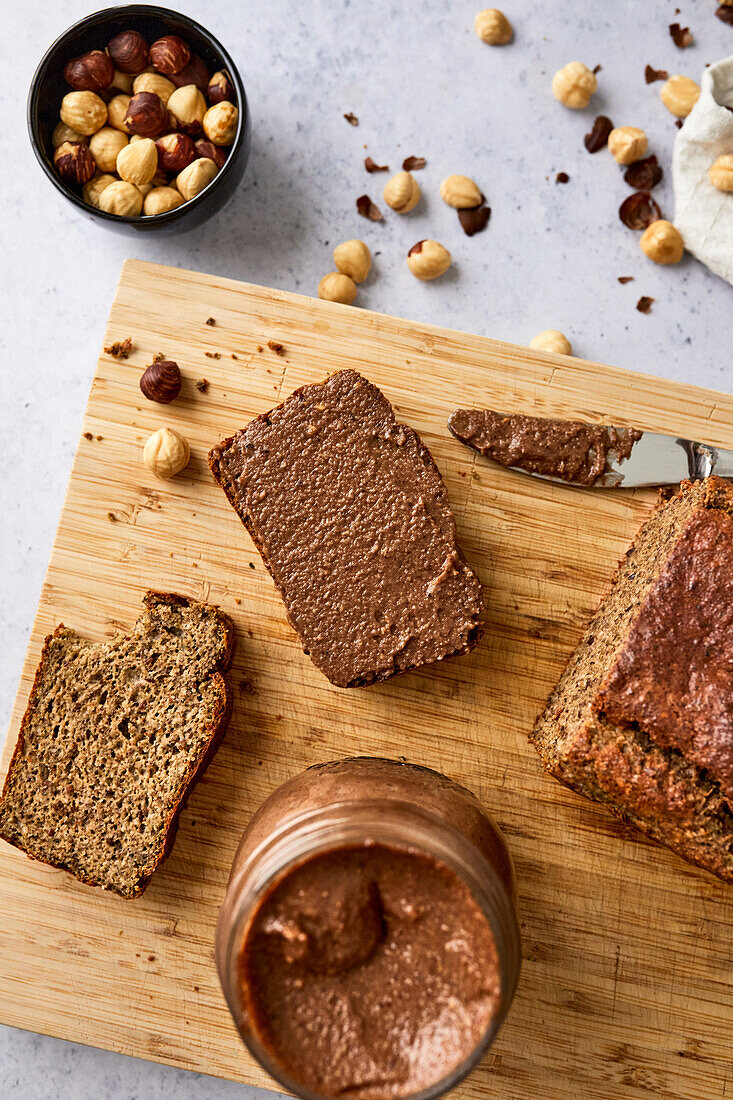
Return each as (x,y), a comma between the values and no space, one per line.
(48,88)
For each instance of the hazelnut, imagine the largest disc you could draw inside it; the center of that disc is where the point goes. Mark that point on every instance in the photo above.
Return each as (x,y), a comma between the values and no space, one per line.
(138,162)
(195,72)
(402,192)
(169,54)
(175,152)
(428,259)
(146,115)
(84,112)
(74,162)
(155,83)
(662,242)
(161,381)
(92,72)
(721,172)
(354,259)
(551,339)
(63,133)
(337,287)
(121,198)
(92,190)
(116,111)
(460,192)
(104,147)
(627,144)
(220,88)
(198,175)
(187,108)
(574,84)
(161,199)
(216,153)
(220,123)
(679,95)
(129,52)
(121,82)
(166,453)
(492,26)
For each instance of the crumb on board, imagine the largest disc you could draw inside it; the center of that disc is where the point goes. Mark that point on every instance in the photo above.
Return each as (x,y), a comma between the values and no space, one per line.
(234,356)
(120,349)
(112,517)
(202,385)
(88,435)
(212,354)
(260,347)
(210,321)
(273,345)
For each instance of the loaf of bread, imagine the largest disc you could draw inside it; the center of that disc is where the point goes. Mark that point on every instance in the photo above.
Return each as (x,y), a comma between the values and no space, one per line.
(642,717)
(351,517)
(114,737)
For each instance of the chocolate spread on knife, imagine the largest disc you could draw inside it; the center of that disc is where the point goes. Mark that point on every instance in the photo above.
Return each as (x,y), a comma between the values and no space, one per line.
(369,970)
(674,676)
(352,519)
(567,449)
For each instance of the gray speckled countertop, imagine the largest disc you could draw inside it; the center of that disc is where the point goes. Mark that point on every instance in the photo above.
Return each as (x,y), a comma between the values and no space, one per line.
(421,83)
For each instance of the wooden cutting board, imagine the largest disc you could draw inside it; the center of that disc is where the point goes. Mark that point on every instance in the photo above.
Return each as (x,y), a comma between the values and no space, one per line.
(627,986)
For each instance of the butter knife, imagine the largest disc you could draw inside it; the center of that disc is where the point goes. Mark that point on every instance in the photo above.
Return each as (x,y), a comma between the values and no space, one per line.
(655,460)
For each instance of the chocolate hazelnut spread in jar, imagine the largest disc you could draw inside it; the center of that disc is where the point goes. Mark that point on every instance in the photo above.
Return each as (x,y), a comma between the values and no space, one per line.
(368,943)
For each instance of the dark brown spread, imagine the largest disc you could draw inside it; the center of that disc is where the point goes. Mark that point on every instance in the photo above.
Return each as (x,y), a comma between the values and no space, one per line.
(674,677)
(352,519)
(567,449)
(369,970)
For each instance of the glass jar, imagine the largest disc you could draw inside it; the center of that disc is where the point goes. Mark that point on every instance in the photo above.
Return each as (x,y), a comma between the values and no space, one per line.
(369,804)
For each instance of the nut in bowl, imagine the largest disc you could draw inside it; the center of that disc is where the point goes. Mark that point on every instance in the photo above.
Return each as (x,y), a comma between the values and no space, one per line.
(105,87)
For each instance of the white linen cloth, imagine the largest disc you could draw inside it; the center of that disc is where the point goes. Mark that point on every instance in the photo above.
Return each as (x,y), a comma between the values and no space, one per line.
(703,214)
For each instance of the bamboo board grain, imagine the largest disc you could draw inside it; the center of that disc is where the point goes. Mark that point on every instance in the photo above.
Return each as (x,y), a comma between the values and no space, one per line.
(627,986)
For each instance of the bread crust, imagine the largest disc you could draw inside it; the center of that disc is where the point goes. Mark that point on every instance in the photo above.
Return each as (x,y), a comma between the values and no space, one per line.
(217,728)
(657,789)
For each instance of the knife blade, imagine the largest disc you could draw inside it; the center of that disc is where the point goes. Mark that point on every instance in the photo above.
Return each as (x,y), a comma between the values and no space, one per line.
(657,459)
(654,460)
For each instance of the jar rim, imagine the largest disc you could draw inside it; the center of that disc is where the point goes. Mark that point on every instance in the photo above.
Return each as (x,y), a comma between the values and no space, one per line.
(359,823)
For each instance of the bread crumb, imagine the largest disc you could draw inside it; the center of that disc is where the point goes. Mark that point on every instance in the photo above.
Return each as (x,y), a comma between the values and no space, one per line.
(112,517)
(212,354)
(273,345)
(88,435)
(210,321)
(120,349)
(202,385)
